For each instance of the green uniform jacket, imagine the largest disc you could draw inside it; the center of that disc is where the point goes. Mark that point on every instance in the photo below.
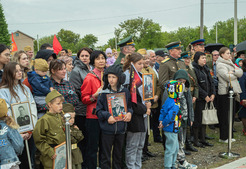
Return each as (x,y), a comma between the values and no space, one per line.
(168,68)
(118,60)
(157,89)
(193,82)
(48,131)
(76,136)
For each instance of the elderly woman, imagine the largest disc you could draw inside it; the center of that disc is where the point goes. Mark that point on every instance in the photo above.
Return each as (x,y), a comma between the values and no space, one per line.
(81,68)
(21,58)
(69,66)
(228,74)
(13,91)
(89,93)
(4,58)
(206,95)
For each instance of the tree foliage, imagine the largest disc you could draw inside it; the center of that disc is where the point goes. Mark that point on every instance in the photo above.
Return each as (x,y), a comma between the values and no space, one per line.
(4,34)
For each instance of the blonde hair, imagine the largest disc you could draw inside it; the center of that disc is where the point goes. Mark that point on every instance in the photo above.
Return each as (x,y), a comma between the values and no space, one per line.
(10,122)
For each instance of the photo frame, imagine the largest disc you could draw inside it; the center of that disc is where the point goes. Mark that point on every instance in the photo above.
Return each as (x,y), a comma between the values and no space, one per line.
(117,106)
(21,112)
(60,161)
(148,86)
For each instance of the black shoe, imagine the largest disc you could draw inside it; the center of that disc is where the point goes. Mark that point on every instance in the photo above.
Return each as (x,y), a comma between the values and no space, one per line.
(207,144)
(189,147)
(234,130)
(187,152)
(209,138)
(198,144)
(149,154)
(144,158)
(237,120)
(149,144)
(211,127)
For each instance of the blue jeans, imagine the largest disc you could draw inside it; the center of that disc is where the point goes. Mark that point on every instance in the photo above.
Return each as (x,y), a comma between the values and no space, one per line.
(172,148)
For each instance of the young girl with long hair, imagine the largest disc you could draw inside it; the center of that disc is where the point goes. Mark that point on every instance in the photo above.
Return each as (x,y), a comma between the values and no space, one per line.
(137,127)
(13,91)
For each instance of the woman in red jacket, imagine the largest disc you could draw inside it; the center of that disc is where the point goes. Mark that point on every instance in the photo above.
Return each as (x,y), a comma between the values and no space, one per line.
(89,93)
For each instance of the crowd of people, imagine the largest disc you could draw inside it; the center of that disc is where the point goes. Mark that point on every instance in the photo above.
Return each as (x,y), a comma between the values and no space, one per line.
(183,83)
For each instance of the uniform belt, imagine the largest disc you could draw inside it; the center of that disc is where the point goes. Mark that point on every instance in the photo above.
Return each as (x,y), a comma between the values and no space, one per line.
(74,146)
(191,89)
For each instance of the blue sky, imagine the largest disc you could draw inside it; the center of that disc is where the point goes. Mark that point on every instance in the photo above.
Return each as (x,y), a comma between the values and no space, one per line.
(101,17)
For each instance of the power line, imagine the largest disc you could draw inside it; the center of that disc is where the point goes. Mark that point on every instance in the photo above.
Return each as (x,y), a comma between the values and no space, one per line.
(76,20)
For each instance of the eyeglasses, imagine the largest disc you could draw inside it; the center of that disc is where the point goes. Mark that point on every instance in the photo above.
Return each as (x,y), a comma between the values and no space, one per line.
(216,55)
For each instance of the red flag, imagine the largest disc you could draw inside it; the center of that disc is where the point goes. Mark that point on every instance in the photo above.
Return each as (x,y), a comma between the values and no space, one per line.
(13,45)
(135,82)
(56,45)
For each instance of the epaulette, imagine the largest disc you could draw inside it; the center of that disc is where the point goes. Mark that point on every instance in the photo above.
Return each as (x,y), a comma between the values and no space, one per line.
(165,60)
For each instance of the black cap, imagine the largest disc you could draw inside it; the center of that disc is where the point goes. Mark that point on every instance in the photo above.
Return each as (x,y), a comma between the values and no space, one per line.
(161,53)
(45,54)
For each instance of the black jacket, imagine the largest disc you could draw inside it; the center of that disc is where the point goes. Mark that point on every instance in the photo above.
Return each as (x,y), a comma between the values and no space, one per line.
(77,77)
(103,113)
(137,122)
(204,80)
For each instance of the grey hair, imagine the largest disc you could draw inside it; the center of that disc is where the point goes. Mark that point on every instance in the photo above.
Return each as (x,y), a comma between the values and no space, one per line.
(149,51)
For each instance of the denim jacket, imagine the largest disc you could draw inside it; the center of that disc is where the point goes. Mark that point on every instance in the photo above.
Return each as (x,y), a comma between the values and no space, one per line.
(11,144)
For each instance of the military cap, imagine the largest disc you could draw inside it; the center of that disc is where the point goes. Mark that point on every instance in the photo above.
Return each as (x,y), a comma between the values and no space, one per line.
(185,55)
(52,95)
(68,108)
(3,108)
(173,45)
(27,48)
(142,51)
(126,41)
(198,42)
(40,64)
(161,53)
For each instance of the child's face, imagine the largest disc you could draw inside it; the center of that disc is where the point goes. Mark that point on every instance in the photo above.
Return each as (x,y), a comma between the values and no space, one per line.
(240,63)
(55,106)
(71,121)
(112,79)
(41,73)
(181,80)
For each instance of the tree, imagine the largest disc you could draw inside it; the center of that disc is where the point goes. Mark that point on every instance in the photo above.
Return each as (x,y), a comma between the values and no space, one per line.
(90,40)
(46,39)
(4,34)
(145,32)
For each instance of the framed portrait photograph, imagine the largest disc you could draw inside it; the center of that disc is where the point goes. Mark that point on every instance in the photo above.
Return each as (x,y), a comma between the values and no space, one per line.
(148,86)
(117,106)
(60,161)
(21,112)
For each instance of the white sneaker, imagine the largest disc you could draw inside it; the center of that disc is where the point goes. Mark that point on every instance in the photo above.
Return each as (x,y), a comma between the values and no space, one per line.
(226,141)
(187,165)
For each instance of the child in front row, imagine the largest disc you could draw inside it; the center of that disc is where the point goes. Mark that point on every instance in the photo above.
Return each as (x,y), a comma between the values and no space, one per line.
(170,121)
(40,82)
(76,136)
(11,142)
(113,131)
(48,131)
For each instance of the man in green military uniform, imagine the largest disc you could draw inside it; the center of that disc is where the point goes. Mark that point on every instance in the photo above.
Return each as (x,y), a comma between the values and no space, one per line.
(171,65)
(126,47)
(48,131)
(199,46)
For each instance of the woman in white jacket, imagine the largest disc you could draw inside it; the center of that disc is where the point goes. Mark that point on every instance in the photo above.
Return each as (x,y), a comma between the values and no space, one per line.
(228,75)
(13,91)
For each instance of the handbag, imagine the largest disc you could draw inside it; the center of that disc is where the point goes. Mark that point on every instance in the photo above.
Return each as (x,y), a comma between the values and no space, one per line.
(209,115)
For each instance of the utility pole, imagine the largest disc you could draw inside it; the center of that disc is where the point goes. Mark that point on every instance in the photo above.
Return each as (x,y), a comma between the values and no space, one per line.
(201,19)
(235,22)
(216,32)
(37,43)
(116,42)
